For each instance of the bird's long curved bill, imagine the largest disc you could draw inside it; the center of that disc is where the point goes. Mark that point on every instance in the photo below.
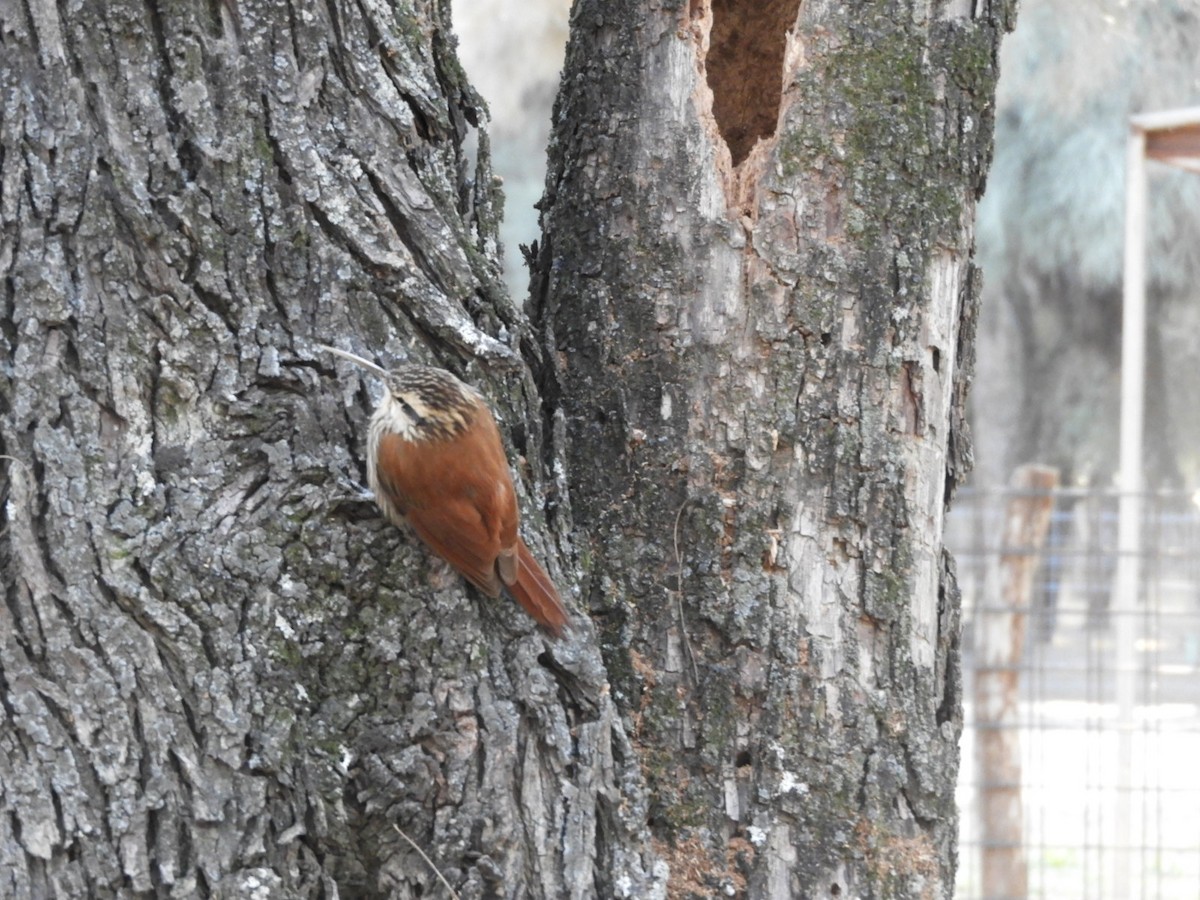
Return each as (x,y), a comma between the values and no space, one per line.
(357,360)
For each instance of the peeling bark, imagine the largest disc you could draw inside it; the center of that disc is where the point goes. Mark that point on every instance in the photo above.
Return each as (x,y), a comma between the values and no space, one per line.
(762,356)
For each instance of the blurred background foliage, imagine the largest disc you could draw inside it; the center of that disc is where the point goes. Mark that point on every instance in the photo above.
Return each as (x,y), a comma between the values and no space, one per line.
(1051,238)
(513,50)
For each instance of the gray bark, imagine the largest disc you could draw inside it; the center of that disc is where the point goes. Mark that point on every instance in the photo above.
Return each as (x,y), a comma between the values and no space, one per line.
(221,673)
(759,300)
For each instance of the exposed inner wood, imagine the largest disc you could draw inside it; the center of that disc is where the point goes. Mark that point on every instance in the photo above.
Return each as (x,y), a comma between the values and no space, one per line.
(745,69)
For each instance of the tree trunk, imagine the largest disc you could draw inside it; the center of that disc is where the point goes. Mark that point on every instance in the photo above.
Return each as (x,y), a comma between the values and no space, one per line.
(221,672)
(759,299)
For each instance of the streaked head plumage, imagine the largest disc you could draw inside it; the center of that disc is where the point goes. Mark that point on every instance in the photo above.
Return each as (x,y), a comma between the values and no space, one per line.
(420,402)
(428,403)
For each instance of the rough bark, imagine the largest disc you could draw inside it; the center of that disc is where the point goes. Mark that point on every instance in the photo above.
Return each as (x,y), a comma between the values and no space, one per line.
(221,673)
(762,357)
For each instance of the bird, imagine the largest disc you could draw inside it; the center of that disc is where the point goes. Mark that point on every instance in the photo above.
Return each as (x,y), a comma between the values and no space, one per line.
(435,462)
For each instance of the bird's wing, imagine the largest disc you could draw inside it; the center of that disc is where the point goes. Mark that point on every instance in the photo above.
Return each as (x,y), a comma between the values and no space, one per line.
(456,532)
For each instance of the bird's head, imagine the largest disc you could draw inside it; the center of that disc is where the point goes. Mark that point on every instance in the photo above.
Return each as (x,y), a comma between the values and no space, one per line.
(420,402)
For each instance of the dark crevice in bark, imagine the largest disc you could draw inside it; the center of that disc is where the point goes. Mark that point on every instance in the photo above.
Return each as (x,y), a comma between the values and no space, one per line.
(458,109)
(168,650)
(537,349)
(215,23)
(341,239)
(171,115)
(277,157)
(421,121)
(745,69)
(345,73)
(31,31)
(126,231)
(8,326)
(950,637)
(293,36)
(269,279)
(573,690)
(335,58)
(403,230)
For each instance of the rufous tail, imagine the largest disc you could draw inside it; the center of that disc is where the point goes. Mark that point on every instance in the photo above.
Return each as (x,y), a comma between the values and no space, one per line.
(536,593)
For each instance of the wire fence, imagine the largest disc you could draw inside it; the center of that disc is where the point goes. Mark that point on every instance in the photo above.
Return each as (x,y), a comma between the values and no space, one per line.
(1081,754)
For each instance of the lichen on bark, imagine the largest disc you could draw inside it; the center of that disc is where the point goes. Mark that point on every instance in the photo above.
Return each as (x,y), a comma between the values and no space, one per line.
(764,363)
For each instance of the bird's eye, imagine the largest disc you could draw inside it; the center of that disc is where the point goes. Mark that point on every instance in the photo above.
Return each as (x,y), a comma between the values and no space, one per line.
(408,408)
